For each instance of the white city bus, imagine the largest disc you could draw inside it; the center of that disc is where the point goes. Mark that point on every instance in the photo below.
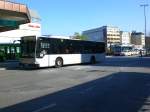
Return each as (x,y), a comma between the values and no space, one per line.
(46,51)
(122,50)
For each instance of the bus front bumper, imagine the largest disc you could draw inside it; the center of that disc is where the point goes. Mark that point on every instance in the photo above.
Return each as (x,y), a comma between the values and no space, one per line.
(25,65)
(28,63)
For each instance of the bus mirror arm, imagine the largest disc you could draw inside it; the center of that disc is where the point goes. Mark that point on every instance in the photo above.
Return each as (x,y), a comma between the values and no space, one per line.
(42,53)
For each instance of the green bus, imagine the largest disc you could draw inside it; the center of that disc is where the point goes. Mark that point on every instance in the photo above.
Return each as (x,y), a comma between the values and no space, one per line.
(10,51)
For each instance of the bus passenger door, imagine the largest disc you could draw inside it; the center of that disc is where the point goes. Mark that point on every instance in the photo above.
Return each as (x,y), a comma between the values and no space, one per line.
(43,53)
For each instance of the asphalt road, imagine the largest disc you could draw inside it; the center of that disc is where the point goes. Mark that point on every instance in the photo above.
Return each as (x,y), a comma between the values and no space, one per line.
(120,84)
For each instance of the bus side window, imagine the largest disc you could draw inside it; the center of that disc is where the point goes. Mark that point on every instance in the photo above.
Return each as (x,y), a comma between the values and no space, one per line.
(66,51)
(44,48)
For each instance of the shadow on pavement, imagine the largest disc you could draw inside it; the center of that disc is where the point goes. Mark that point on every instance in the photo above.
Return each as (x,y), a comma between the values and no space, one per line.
(119,92)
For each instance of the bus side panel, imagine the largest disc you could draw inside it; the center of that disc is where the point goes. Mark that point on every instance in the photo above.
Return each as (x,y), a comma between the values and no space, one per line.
(85,58)
(72,59)
(49,60)
(67,59)
(75,58)
(100,57)
(43,62)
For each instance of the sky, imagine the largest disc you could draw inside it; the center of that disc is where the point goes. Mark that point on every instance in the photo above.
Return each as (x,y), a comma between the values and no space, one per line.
(65,17)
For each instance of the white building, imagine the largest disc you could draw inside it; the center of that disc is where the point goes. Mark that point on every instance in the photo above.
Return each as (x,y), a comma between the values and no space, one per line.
(24,30)
(125,38)
(109,34)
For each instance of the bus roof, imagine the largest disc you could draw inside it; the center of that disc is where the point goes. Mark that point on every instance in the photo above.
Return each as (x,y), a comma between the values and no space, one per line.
(56,36)
(65,37)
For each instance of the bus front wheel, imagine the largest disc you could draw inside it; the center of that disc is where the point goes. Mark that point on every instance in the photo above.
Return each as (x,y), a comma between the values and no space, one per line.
(59,62)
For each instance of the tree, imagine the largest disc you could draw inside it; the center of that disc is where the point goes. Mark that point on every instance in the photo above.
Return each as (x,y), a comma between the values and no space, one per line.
(79,36)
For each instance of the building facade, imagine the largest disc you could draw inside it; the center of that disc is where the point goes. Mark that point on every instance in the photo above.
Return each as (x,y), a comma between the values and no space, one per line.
(125,38)
(147,43)
(96,34)
(112,35)
(109,34)
(138,40)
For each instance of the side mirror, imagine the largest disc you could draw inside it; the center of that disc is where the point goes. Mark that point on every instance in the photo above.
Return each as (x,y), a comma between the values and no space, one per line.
(43,53)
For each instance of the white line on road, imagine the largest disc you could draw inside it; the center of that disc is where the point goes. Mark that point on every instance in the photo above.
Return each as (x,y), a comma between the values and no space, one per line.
(45,107)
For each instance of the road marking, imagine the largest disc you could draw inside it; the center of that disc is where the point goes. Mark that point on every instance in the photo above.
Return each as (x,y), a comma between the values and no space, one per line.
(45,107)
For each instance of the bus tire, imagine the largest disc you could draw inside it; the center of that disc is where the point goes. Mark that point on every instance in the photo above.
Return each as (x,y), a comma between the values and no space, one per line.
(93,60)
(58,62)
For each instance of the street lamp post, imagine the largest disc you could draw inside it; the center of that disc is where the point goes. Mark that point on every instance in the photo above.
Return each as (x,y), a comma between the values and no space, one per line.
(144,6)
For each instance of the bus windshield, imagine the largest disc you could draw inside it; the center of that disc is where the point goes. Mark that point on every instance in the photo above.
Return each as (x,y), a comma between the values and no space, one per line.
(28,46)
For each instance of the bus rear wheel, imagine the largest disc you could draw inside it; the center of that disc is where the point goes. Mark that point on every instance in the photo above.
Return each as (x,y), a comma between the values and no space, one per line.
(59,62)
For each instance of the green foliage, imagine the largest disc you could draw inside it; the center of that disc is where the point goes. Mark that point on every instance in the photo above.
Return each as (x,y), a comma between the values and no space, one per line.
(79,36)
